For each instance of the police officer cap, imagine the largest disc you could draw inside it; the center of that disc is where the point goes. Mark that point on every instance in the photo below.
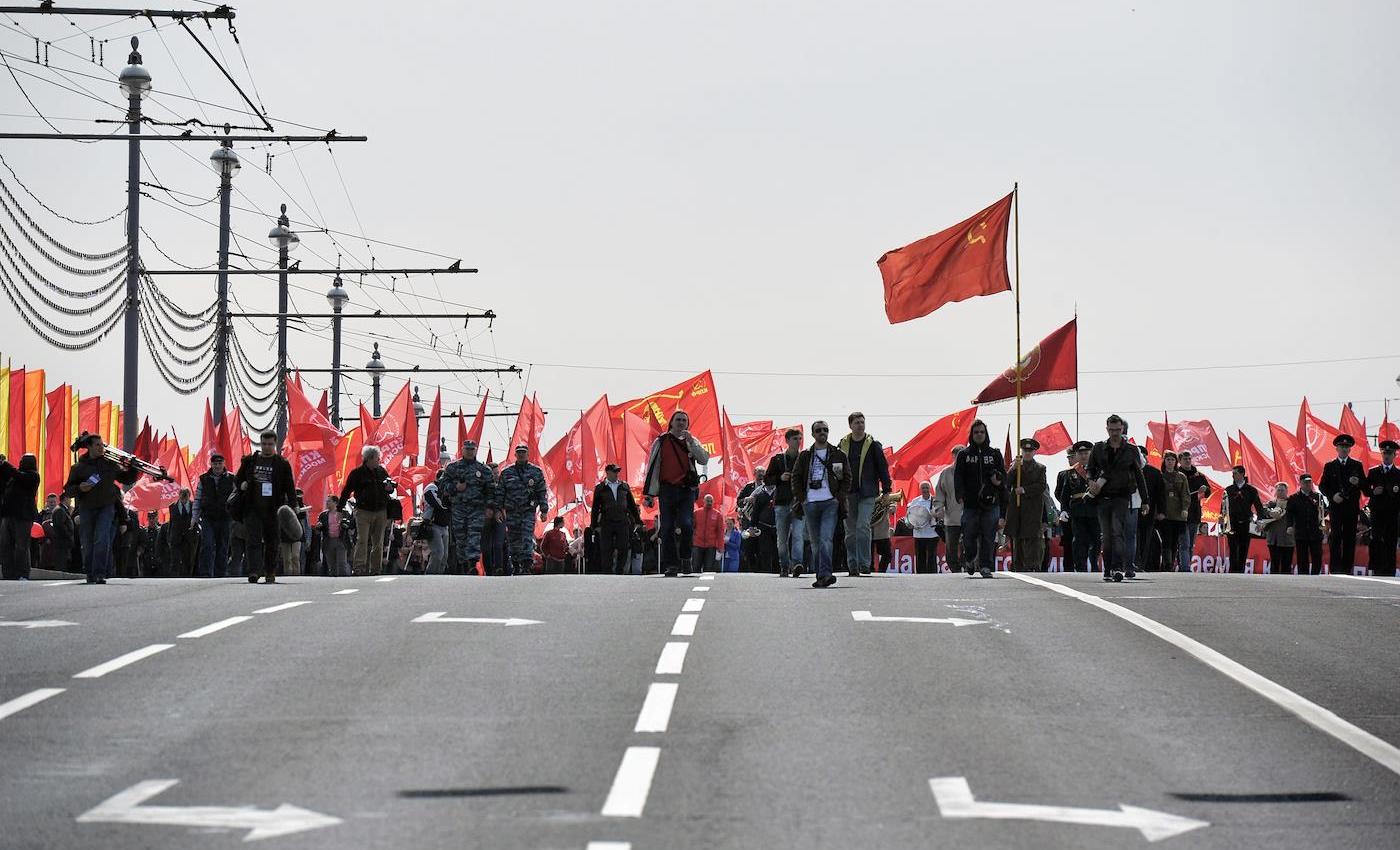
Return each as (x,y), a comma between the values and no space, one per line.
(469,444)
(612,467)
(522,448)
(1083,446)
(1389,446)
(1029,443)
(215,456)
(1304,477)
(1344,440)
(1239,469)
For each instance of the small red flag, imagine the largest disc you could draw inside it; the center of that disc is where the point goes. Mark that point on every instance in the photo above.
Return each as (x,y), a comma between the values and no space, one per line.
(478,424)
(1053,439)
(1389,430)
(1351,425)
(1257,465)
(1051,366)
(933,446)
(966,260)
(1289,461)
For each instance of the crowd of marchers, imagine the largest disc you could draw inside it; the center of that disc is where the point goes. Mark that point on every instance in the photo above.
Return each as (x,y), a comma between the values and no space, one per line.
(817,509)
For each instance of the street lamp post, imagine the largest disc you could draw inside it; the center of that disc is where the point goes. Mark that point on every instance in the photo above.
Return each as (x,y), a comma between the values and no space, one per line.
(285,241)
(226,164)
(375,366)
(135,82)
(338,298)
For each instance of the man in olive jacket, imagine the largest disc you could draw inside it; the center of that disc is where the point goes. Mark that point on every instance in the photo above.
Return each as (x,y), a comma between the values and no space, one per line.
(1029,506)
(821,480)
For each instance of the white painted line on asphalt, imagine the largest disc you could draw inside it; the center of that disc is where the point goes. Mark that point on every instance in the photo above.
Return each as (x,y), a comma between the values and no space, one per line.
(283,607)
(704,588)
(685,625)
(122,660)
(62,583)
(387,578)
(441,617)
(18,704)
(655,715)
(694,605)
(214,627)
(1309,712)
(36,624)
(1373,578)
(955,622)
(672,658)
(347,590)
(707,578)
(609,845)
(126,807)
(633,783)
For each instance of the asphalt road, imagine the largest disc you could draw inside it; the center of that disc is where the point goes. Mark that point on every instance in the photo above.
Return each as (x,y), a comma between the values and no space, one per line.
(1242,712)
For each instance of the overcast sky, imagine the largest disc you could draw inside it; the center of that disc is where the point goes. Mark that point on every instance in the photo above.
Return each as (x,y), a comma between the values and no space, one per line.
(652,189)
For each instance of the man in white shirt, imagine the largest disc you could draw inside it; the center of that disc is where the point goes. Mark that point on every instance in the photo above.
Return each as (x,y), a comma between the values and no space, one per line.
(921,520)
(948,509)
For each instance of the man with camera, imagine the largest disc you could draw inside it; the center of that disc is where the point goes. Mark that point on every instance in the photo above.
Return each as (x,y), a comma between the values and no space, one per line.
(788,528)
(822,480)
(673,481)
(264,485)
(371,486)
(96,481)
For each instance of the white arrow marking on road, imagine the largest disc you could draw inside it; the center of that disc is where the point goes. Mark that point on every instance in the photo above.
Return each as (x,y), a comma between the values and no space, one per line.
(867,617)
(264,823)
(955,800)
(441,617)
(64,582)
(36,624)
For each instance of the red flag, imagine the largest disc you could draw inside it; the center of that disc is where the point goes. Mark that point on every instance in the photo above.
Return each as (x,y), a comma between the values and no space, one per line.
(1236,456)
(529,424)
(1051,366)
(324,405)
(1006,455)
(599,419)
(104,415)
(559,483)
(1315,436)
(461,433)
(696,396)
(221,440)
(762,448)
(151,495)
(1257,465)
(1198,438)
(633,437)
(478,424)
(34,412)
(1167,444)
(313,438)
(16,402)
(1354,427)
(726,497)
(57,459)
(1388,430)
(347,452)
(933,446)
(734,460)
(749,430)
(87,414)
(966,260)
(1053,439)
(1289,462)
(432,446)
(144,449)
(1154,454)
(396,432)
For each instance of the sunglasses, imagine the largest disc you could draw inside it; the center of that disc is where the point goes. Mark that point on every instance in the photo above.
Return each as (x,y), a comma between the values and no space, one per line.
(820,431)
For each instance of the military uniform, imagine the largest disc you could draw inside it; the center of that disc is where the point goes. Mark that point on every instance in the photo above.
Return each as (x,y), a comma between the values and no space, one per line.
(1027,514)
(1383,490)
(1342,481)
(469,488)
(522,493)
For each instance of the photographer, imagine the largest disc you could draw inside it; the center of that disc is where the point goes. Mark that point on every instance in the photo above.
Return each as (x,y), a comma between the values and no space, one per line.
(368,484)
(819,498)
(264,485)
(95,481)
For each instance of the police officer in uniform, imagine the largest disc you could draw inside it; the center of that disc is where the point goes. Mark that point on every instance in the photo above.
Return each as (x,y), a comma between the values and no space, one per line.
(522,493)
(1383,490)
(469,487)
(1342,480)
(1029,508)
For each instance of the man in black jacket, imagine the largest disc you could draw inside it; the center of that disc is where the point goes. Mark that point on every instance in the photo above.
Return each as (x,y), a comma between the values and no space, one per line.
(96,483)
(58,528)
(1342,483)
(1200,491)
(789,528)
(614,514)
(366,483)
(265,482)
(1080,509)
(1149,544)
(211,518)
(1383,491)
(1304,516)
(1115,474)
(19,489)
(179,535)
(979,481)
(1243,505)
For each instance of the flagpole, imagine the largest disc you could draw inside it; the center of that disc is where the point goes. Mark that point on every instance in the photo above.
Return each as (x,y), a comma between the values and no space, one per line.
(1016,249)
(1076,370)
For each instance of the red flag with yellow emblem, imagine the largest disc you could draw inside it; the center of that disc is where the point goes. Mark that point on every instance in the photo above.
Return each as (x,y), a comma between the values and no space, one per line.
(1052,366)
(964,261)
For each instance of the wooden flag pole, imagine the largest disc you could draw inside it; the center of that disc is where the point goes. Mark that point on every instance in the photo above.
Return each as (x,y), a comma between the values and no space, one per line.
(1016,250)
(1076,370)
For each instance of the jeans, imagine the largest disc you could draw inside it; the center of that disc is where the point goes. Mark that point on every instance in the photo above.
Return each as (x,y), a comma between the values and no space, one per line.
(260,528)
(1172,532)
(95,536)
(677,513)
(858,510)
(705,559)
(213,549)
(1130,538)
(819,518)
(437,549)
(979,535)
(1188,547)
(334,556)
(614,547)
(1116,522)
(790,537)
(1087,543)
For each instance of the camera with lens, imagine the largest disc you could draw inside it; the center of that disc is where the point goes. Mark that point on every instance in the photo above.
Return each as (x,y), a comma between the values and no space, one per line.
(390,485)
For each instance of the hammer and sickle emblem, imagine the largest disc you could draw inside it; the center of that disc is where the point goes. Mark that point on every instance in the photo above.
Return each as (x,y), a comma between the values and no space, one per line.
(974,239)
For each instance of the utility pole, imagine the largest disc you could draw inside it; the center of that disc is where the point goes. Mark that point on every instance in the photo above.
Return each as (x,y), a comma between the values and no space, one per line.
(225,162)
(338,298)
(375,367)
(135,81)
(284,240)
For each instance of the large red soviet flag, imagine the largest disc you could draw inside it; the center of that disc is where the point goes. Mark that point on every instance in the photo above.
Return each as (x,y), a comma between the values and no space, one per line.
(1257,466)
(1289,461)
(966,260)
(1197,437)
(529,424)
(1353,426)
(933,446)
(1315,436)
(696,396)
(1051,366)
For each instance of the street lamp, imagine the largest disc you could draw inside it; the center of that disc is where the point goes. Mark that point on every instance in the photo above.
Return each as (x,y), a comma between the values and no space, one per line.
(338,298)
(135,83)
(285,240)
(418,408)
(226,165)
(375,367)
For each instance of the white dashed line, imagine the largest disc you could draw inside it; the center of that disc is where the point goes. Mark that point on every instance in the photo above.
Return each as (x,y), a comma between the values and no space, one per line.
(283,607)
(122,660)
(1309,712)
(707,578)
(655,715)
(704,588)
(1373,578)
(347,590)
(685,625)
(214,627)
(387,578)
(693,605)
(632,784)
(672,658)
(62,583)
(19,704)
(609,845)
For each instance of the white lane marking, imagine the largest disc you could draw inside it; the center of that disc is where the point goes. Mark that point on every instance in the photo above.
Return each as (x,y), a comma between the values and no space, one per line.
(632,783)
(283,607)
(955,800)
(347,590)
(704,588)
(125,807)
(609,845)
(387,578)
(685,625)
(1309,712)
(693,605)
(655,715)
(214,627)
(672,658)
(956,622)
(19,704)
(1372,578)
(36,624)
(440,617)
(707,578)
(62,583)
(122,660)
